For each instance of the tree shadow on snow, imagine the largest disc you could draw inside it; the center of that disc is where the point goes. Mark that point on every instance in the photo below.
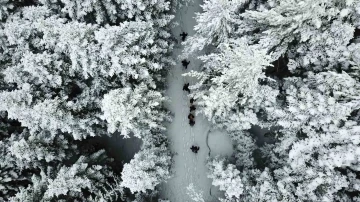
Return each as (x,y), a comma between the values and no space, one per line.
(122,150)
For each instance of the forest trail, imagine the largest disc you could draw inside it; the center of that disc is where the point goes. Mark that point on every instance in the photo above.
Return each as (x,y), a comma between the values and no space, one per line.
(187,167)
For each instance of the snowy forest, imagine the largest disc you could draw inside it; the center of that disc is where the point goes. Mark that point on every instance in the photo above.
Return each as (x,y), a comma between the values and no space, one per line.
(91,105)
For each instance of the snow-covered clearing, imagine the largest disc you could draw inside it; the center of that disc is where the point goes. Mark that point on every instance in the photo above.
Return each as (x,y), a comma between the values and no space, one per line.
(219,143)
(189,167)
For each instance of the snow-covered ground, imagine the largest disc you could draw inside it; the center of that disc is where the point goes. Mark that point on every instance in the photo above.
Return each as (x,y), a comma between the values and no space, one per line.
(189,167)
(219,143)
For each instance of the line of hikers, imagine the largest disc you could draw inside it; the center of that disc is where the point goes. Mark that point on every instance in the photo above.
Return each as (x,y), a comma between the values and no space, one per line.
(185,64)
(191,115)
(191,118)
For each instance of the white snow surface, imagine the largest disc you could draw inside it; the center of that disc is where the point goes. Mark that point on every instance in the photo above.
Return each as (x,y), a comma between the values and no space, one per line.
(189,167)
(219,143)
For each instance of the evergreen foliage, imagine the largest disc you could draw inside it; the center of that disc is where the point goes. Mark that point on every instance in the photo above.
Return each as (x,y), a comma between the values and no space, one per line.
(290,66)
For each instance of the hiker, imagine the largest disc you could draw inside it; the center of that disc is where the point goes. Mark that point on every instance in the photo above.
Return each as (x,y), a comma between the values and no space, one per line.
(194,149)
(185,63)
(183,36)
(192,108)
(192,100)
(191,116)
(191,122)
(186,87)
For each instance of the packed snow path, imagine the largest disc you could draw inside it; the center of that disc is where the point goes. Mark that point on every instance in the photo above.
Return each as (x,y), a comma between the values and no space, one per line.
(188,167)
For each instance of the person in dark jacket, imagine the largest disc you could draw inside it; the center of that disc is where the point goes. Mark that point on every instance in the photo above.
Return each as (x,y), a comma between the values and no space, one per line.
(186,87)
(194,149)
(191,116)
(183,36)
(192,100)
(192,108)
(185,63)
(191,122)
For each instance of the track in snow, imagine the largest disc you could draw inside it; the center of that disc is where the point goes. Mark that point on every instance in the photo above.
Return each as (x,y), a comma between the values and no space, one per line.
(187,167)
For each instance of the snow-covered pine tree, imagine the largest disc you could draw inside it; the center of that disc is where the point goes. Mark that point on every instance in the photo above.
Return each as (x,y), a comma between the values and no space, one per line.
(12,176)
(62,69)
(319,138)
(317,101)
(214,25)
(83,180)
(226,176)
(25,154)
(194,194)
(313,35)
(244,147)
(57,69)
(108,11)
(315,155)
(232,77)
(150,166)
(37,150)
(137,111)
(7,7)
